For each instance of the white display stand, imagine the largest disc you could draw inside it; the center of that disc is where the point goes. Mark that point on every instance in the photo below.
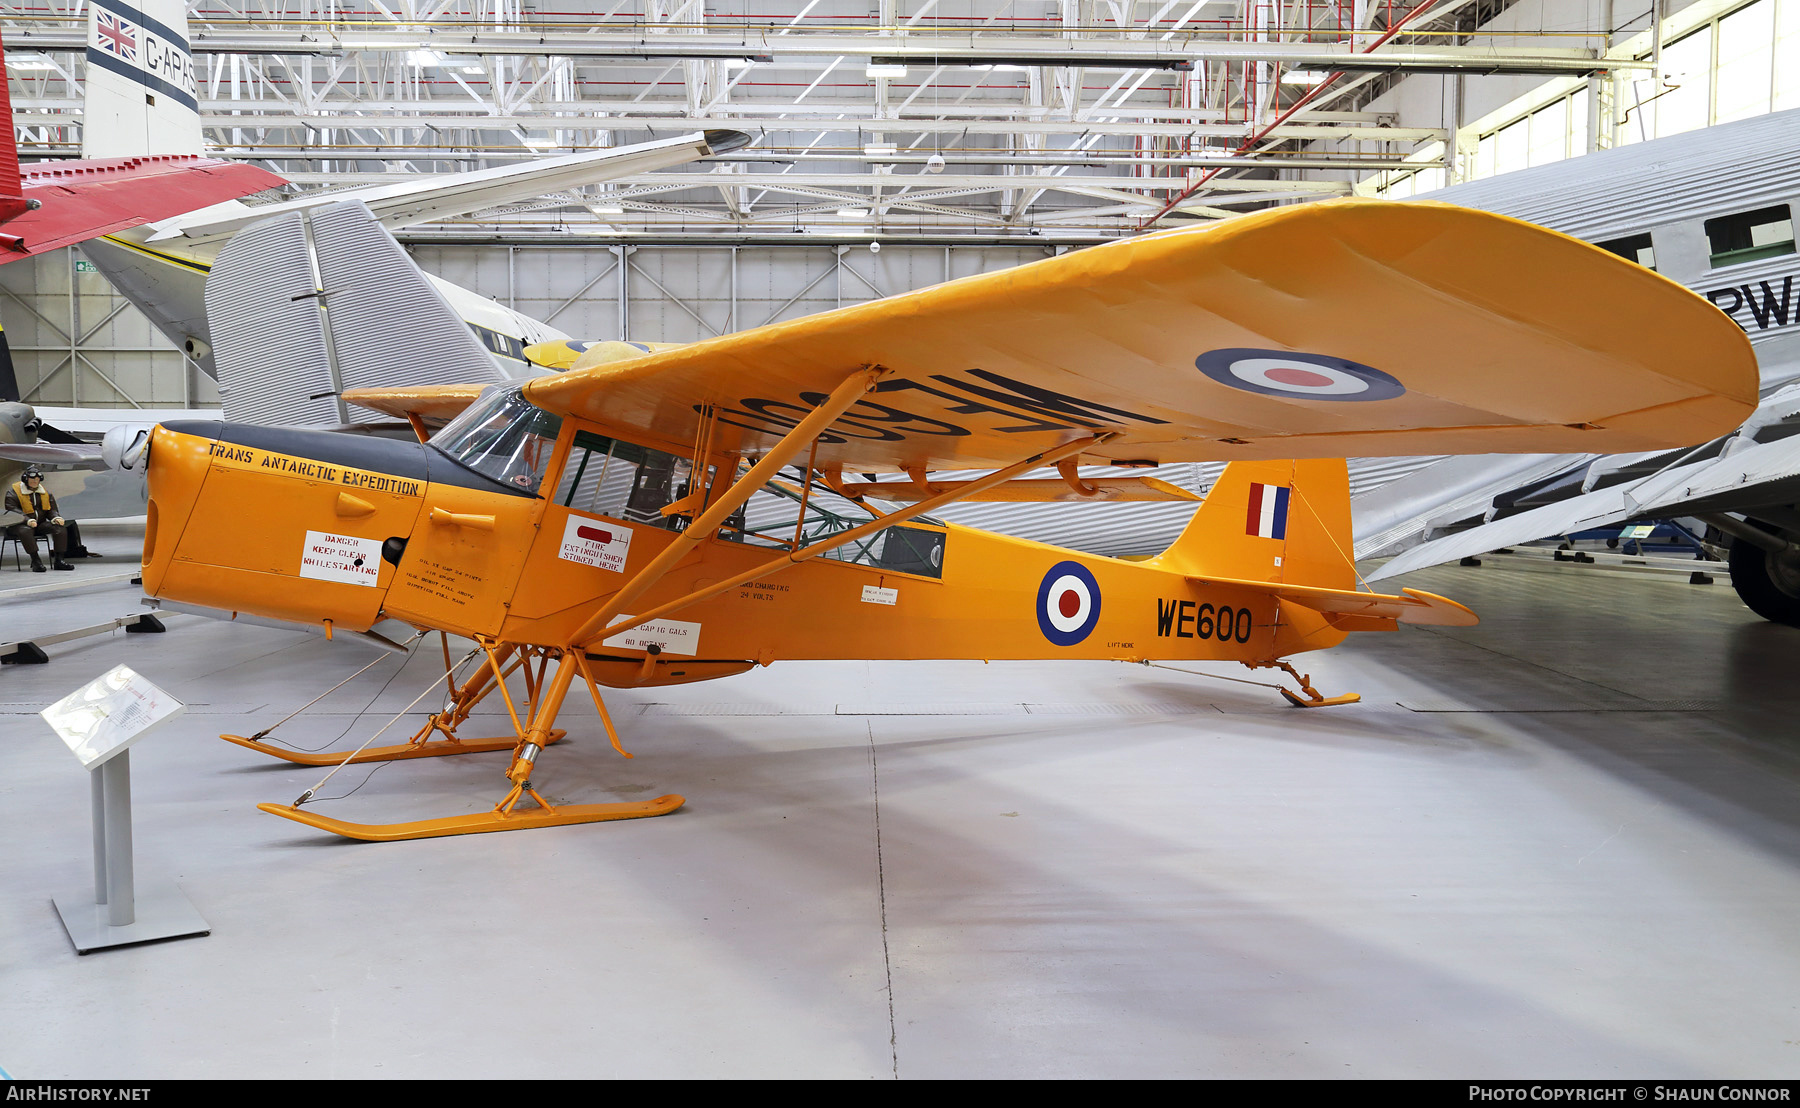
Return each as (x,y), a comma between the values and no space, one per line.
(99,722)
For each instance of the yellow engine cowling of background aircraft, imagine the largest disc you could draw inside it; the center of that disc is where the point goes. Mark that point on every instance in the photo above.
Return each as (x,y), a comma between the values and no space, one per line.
(302,526)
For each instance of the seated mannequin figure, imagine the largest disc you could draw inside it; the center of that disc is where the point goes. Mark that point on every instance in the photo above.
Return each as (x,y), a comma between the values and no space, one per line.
(29,498)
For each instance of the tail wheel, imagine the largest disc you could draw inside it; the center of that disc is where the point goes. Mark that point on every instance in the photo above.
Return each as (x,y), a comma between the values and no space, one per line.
(1767,582)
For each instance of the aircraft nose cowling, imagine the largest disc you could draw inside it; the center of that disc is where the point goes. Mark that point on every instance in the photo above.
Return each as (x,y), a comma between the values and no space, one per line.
(175,465)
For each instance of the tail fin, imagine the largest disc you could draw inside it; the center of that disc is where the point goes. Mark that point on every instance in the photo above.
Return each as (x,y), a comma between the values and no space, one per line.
(141,95)
(12,185)
(1282,522)
(1284,528)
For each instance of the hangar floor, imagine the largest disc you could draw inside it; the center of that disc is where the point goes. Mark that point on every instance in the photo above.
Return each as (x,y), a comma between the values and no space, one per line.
(1564,843)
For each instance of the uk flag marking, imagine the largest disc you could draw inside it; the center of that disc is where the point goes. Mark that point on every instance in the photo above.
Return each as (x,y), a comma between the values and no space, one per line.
(116,36)
(1268,511)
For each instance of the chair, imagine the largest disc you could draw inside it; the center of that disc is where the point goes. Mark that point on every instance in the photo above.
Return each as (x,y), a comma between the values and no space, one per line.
(18,547)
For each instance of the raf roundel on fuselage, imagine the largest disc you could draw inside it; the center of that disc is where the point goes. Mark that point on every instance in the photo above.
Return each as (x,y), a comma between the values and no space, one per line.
(1068,603)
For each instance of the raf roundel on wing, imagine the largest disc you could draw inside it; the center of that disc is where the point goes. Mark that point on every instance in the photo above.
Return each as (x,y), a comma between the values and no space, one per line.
(1068,603)
(1297,375)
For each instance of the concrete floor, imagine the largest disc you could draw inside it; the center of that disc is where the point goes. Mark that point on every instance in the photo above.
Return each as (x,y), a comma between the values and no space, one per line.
(1565,843)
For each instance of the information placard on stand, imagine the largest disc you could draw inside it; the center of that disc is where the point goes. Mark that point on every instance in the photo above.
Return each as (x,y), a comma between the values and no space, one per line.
(99,722)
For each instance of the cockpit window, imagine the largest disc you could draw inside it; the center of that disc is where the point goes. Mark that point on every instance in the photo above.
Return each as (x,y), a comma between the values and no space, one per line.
(502,436)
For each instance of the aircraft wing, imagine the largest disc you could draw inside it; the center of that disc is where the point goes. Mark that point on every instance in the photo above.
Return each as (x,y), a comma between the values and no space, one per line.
(48,453)
(1747,478)
(1347,328)
(422,199)
(81,200)
(1399,514)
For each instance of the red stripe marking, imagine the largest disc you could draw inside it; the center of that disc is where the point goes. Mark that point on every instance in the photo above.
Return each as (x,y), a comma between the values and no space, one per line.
(1253,521)
(595,534)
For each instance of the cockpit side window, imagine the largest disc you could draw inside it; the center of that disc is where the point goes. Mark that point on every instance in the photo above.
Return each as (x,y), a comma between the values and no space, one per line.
(607,477)
(503,436)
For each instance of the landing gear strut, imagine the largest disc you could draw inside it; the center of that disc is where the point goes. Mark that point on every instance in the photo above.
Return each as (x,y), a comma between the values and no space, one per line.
(1313,698)
(532,734)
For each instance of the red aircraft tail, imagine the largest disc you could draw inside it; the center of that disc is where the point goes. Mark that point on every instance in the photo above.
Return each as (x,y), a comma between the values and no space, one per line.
(12,185)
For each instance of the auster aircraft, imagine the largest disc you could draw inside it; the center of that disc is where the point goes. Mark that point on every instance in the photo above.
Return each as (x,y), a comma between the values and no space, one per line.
(596,527)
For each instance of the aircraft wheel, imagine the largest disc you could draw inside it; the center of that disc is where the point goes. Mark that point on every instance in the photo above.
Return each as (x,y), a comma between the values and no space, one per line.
(1768,584)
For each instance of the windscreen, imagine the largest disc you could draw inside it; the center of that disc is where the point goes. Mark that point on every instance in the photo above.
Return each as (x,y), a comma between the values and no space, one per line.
(502,436)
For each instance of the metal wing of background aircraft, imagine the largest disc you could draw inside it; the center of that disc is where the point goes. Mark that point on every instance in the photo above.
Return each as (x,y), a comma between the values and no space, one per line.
(423,199)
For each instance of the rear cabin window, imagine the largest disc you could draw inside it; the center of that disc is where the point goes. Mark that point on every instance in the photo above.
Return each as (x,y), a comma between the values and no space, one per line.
(1633,248)
(1751,236)
(775,518)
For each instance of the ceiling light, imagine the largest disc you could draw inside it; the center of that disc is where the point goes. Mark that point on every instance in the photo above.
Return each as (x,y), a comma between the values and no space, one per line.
(1007,68)
(1303,77)
(874,149)
(934,164)
(424,58)
(853,213)
(885,69)
(36,63)
(606,209)
(738,63)
(538,142)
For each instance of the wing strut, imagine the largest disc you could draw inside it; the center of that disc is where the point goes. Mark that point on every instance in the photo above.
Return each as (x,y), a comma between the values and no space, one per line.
(803,433)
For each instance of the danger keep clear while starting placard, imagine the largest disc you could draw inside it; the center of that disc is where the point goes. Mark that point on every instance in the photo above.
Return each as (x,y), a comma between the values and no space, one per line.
(332,557)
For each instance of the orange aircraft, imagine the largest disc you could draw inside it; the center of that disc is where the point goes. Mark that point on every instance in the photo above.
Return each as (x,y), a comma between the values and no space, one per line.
(664,514)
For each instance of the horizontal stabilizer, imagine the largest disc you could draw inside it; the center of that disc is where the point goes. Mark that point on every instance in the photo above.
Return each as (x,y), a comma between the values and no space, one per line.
(1413,606)
(429,402)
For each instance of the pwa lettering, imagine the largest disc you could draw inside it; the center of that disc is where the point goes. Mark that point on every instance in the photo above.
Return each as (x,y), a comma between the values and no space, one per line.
(1766,311)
